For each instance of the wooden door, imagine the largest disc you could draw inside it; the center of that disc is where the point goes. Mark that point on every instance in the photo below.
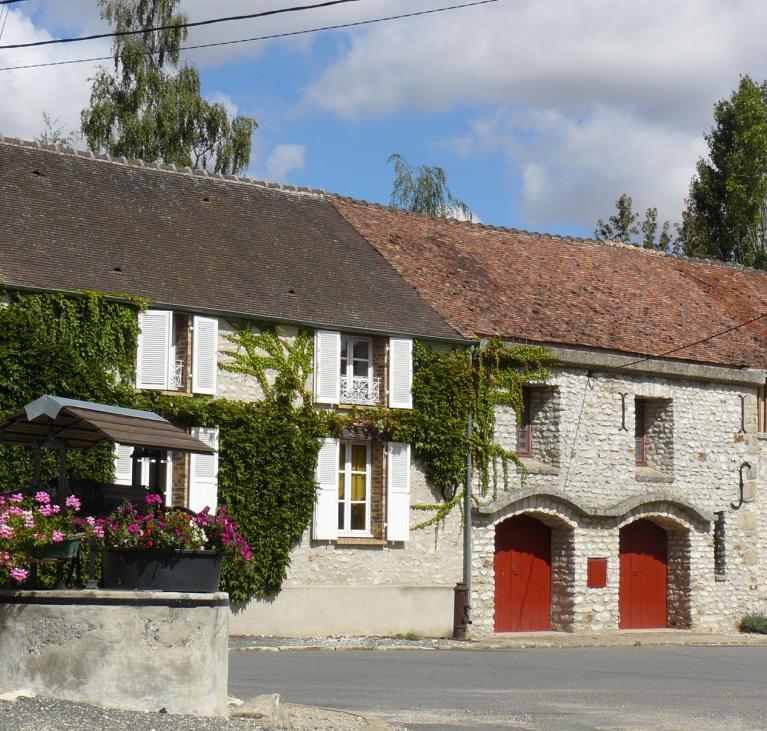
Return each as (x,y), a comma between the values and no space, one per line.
(643,576)
(522,575)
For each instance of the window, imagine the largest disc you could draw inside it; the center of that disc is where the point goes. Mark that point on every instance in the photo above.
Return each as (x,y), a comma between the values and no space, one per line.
(356,370)
(153,468)
(524,430)
(640,433)
(354,488)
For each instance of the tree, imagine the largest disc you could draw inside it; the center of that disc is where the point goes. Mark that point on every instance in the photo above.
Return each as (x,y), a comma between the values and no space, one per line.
(54,133)
(624,226)
(424,189)
(150,107)
(726,211)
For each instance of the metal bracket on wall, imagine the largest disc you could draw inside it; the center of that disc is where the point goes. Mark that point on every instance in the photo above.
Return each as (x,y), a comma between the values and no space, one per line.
(742,413)
(623,412)
(720,554)
(741,499)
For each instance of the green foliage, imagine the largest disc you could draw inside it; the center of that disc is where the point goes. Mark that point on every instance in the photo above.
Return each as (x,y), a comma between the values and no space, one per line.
(268,452)
(54,133)
(726,213)
(424,189)
(624,225)
(266,350)
(73,346)
(755,623)
(144,111)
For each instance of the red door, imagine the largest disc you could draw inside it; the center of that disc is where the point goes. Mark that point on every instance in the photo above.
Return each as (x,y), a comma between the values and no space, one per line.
(522,575)
(643,576)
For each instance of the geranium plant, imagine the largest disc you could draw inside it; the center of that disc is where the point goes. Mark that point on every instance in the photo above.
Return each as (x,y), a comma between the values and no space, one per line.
(154,526)
(30,524)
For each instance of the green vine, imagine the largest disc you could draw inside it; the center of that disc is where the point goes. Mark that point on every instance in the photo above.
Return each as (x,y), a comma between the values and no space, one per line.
(83,346)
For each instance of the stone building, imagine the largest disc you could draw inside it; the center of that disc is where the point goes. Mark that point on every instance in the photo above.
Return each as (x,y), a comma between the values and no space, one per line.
(640,505)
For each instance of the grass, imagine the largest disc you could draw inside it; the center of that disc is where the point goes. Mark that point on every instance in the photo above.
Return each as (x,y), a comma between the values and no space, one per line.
(755,623)
(414,636)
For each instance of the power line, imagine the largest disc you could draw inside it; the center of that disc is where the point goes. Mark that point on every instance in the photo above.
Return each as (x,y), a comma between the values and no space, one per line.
(271,36)
(173,26)
(9,2)
(696,342)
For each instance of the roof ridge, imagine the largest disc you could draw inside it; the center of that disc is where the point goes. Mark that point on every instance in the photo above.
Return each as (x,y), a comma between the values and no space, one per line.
(556,237)
(61,149)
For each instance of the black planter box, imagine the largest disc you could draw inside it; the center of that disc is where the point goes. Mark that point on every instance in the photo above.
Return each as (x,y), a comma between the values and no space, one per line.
(163,570)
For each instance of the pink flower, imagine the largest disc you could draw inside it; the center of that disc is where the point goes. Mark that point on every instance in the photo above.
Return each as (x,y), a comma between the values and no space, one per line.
(16,497)
(98,531)
(42,497)
(46,511)
(154,499)
(6,531)
(56,509)
(57,536)
(133,527)
(73,502)
(90,520)
(19,574)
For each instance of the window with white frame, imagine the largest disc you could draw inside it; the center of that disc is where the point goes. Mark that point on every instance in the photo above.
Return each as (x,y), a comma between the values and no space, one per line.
(354,488)
(356,370)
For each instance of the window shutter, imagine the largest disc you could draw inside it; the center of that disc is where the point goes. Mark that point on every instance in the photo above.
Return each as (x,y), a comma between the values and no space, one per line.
(327,367)
(204,355)
(326,504)
(123,464)
(398,492)
(154,346)
(203,472)
(400,373)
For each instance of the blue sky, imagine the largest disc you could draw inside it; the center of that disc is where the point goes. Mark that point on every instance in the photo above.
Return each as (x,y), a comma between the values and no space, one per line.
(541,111)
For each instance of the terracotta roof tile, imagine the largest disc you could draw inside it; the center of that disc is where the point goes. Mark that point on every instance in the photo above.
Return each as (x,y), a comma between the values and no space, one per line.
(556,290)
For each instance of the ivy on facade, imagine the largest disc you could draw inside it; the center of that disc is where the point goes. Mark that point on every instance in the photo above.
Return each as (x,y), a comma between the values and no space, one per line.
(83,346)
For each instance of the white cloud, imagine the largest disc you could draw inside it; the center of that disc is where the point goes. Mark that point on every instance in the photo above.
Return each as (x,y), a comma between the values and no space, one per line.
(61,90)
(284,160)
(570,171)
(586,99)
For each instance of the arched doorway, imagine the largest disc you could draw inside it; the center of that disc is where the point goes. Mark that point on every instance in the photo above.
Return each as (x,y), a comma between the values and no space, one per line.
(643,587)
(522,575)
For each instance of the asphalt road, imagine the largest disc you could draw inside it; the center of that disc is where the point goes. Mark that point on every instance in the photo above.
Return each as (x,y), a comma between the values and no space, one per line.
(571,688)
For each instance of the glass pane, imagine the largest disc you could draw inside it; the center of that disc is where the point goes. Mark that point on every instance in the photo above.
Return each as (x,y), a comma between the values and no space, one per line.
(361,350)
(359,457)
(358,517)
(358,487)
(341,525)
(361,368)
(342,458)
(341,486)
(344,347)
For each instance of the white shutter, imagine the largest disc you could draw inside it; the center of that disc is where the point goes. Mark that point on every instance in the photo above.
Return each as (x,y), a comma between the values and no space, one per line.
(398,491)
(204,355)
(326,504)
(123,464)
(327,367)
(203,472)
(400,373)
(154,346)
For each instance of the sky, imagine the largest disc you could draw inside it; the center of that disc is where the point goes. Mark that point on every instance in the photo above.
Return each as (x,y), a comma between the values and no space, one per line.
(542,112)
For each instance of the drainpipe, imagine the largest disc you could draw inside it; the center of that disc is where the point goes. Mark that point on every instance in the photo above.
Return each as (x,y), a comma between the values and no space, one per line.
(467,545)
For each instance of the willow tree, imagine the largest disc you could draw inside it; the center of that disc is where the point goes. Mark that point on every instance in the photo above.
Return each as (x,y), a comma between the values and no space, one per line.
(150,107)
(424,189)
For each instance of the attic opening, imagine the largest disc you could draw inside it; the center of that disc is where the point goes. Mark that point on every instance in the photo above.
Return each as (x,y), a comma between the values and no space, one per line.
(39,174)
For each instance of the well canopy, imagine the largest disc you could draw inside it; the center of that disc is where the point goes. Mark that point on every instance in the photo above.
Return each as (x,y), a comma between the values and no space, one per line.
(82,424)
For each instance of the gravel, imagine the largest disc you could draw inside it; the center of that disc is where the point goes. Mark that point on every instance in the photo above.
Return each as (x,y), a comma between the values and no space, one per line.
(48,714)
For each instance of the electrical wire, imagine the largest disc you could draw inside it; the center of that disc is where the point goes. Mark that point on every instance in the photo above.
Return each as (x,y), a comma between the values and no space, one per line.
(271,36)
(174,26)
(5,20)
(9,2)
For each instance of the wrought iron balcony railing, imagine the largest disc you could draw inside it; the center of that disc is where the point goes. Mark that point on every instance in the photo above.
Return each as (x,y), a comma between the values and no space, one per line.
(356,390)
(176,376)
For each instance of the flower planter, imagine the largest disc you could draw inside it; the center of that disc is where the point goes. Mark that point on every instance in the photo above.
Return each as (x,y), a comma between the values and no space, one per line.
(63,551)
(160,570)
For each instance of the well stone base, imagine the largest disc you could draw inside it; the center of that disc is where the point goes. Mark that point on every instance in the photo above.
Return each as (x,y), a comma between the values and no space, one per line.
(135,650)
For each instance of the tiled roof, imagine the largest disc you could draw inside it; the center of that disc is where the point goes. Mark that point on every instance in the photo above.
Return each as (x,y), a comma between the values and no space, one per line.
(555,290)
(72,222)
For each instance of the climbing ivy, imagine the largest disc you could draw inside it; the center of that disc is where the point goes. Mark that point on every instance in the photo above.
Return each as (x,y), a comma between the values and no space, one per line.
(83,346)
(74,346)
